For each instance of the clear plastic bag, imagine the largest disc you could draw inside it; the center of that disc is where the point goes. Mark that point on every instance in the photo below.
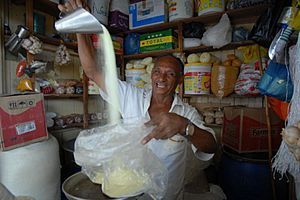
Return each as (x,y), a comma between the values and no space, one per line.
(218,35)
(112,155)
(133,171)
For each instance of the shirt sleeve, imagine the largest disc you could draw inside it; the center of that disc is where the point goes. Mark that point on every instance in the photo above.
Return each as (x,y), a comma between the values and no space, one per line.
(196,119)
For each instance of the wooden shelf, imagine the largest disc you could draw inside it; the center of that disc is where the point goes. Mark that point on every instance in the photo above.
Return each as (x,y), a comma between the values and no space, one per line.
(214,125)
(53,96)
(212,95)
(45,6)
(54,41)
(232,45)
(79,125)
(237,16)
(153,53)
(202,48)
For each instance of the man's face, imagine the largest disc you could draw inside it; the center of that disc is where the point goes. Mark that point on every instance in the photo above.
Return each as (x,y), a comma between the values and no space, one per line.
(165,76)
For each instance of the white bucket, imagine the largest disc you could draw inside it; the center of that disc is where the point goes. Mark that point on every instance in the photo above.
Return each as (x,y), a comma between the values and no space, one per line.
(197,78)
(180,9)
(210,6)
(134,76)
(100,9)
(32,170)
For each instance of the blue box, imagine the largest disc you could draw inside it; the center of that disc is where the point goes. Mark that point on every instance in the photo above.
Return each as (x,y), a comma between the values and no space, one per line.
(147,12)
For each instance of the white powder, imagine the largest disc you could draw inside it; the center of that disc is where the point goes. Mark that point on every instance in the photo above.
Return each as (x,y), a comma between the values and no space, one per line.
(109,70)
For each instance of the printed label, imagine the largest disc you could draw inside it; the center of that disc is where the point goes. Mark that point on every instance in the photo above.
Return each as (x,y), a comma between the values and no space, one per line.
(25,127)
(21,104)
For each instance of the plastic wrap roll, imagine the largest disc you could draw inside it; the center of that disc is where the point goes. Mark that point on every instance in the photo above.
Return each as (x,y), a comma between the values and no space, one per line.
(32,170)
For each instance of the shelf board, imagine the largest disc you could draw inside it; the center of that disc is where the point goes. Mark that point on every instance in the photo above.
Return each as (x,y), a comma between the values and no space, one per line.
(80,125)
(214,125)
(232,45)
(152,53)
(54,41)
(45,6)
(237,16)
(202,48)
(62,96)
(214,96)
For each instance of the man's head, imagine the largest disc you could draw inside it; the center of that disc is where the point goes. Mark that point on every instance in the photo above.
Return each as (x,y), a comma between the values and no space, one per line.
(166,75)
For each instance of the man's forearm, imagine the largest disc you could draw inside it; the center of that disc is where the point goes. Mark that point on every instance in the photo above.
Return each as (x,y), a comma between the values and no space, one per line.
(88,60)
(203,140)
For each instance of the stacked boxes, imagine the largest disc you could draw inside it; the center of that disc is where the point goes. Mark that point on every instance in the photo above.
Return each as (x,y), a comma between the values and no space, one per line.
(160,40)
(22,120)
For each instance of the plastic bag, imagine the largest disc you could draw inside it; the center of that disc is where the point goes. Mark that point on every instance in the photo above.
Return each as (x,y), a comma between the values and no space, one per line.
(247,81)
(193,30)
(223,80)
(218,35)
(276,82)
(265,28)
(132,43)
(104,152)
(133,171)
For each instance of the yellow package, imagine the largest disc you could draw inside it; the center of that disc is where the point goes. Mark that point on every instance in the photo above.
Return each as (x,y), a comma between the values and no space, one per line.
(250,53)
(24,85)
(223,80)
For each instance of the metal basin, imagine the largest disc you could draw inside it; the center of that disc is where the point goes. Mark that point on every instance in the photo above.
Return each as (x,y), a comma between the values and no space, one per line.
(79,187)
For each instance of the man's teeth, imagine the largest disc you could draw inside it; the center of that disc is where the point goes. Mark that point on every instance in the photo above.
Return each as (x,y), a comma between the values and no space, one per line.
(160,85)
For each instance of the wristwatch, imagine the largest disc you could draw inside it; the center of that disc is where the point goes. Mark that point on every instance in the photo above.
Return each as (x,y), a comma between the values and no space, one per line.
(190,128)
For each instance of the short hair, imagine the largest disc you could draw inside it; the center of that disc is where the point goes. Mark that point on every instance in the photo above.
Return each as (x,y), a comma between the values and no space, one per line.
(180,63)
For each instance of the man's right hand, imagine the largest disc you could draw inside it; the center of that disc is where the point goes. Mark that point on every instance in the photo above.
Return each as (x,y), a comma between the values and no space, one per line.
(71,5)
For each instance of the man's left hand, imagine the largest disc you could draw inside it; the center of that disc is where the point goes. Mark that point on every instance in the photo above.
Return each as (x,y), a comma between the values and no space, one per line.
(167,125)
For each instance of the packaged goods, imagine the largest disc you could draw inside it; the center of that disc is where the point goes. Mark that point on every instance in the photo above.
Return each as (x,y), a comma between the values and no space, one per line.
(223,80)
(160,40)
(146,12)
(22,120)
(197,78)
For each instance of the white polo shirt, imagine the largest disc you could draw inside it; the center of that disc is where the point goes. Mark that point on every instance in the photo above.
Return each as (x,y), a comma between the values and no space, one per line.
(134,103)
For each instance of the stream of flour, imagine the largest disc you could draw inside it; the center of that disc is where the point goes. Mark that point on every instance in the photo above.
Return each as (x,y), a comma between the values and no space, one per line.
(107,62)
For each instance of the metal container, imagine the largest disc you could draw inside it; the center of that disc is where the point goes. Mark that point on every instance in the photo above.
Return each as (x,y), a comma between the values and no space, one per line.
(79,187)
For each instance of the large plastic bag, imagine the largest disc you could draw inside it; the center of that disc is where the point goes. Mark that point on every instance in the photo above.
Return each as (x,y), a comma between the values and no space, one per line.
(248,79)
(111,152)
(219,35)
(133,171)
(223,79)
(276,82)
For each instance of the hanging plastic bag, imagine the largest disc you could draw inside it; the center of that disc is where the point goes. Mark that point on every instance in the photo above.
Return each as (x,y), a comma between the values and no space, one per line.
(279,107)
(218,35)
(276,82)
(112,150)
(265,28)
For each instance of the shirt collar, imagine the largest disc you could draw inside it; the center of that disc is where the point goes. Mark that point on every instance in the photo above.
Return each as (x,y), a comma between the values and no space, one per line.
(148,94)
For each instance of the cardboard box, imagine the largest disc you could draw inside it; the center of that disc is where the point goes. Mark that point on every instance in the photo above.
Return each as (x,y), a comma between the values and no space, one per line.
(160,40)
(245,129)
(118,20)
(147,12)
(22,120)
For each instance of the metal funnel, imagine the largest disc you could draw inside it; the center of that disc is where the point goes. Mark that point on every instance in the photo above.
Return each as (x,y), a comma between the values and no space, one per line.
(78,21)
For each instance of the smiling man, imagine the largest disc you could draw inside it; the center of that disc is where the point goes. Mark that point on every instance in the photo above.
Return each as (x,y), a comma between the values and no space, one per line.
(178,126)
